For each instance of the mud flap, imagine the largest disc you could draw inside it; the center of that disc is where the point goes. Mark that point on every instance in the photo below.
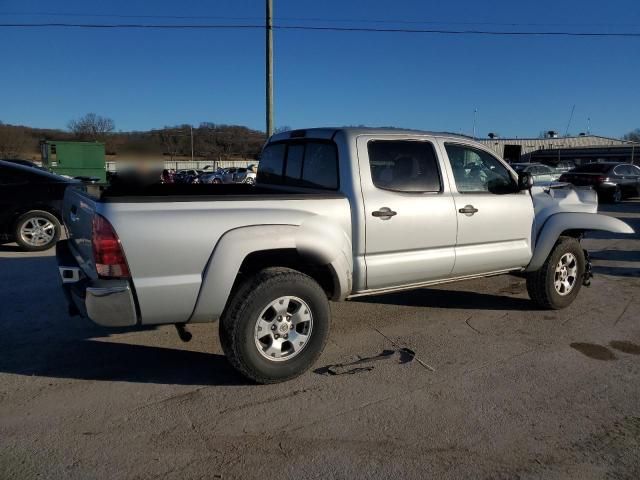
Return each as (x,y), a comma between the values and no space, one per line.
(588,270)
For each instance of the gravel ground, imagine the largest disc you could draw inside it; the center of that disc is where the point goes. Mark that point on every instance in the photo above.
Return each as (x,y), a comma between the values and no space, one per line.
(465,380)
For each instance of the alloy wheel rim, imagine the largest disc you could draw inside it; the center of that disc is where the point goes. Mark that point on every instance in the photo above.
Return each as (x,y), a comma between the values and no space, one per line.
(566,274)
(283,328)
(37,231)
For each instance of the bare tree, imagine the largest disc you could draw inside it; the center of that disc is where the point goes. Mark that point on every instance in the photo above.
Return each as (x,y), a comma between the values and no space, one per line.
(174,140)
(92,127)
(13,142)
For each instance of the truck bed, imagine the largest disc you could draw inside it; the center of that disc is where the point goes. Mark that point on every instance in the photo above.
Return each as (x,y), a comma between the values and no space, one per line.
(169,232)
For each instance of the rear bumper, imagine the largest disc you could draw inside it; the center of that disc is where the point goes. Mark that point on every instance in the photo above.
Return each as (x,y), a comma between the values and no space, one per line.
(109,303)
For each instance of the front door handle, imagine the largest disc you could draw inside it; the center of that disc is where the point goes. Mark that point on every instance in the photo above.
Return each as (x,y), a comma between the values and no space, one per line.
(385,213)
(468,210)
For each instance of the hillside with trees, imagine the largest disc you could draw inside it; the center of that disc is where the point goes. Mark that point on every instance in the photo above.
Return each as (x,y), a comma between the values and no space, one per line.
(210,141)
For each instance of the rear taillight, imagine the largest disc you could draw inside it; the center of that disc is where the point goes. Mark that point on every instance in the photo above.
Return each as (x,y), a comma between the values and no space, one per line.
(563,178)
(601,178)
(107,250)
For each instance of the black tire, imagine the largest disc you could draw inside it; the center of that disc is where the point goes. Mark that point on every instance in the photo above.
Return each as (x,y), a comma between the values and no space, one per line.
(25,242)
(541,283)
(217,181)
(237,334)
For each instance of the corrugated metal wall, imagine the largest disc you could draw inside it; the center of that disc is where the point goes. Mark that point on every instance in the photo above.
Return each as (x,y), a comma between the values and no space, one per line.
(533,144)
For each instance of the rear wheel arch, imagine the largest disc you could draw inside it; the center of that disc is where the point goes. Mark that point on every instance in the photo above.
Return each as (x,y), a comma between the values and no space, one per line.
(235,255)
(35,207)
(323,274)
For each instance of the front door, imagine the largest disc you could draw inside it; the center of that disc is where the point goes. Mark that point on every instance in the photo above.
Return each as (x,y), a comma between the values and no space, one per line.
(494,218)
(410,214)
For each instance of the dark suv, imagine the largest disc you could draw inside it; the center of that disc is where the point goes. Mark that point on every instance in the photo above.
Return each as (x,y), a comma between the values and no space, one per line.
(612,181)
(30,205)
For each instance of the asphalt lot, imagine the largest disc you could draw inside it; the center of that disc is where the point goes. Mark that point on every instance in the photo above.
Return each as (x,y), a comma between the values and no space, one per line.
(496,389)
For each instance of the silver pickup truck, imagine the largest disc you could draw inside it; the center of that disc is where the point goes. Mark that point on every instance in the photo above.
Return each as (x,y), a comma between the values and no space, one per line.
(335,214)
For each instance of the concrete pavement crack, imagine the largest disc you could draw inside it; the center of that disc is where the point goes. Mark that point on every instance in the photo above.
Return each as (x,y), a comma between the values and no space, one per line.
(623,312)
(471,326)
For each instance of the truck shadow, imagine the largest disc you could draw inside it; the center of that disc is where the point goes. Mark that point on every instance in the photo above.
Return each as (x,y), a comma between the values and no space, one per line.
(457,299)
(38,337)
(99,360)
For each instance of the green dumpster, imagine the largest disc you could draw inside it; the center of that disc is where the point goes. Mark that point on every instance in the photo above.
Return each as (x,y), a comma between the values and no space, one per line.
(75,159)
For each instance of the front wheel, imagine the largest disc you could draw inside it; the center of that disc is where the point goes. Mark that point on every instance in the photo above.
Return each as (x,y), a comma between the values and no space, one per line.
(557,283)
(275,326)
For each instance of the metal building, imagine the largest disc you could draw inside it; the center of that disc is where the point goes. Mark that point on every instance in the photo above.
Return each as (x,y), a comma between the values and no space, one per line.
(524,149)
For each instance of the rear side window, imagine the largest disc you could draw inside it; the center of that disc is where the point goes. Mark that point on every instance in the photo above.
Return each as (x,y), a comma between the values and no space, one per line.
(404,166)
(320,167)
(311,164)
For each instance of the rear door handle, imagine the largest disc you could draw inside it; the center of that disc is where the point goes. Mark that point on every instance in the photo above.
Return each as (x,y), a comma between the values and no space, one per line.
(385,213)
(468,210)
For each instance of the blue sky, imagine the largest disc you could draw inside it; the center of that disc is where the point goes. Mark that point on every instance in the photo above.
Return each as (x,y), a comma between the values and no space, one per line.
(152,78)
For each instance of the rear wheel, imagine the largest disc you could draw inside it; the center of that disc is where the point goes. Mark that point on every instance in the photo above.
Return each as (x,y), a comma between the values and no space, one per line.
(276,325)
(37,230)
(557,283)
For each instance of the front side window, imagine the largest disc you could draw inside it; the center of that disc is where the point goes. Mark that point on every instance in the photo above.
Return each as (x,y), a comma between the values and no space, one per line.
(404,166)
(477,171)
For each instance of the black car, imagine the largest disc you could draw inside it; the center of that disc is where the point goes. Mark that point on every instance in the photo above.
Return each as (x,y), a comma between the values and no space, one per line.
(30,206)
(26,163)
(612,181)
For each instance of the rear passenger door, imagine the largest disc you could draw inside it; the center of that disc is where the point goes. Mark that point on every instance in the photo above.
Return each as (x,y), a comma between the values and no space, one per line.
(494,218)
(410,219)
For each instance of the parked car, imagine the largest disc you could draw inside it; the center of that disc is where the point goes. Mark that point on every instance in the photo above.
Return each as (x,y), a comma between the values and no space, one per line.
(26,163)
(613,181)
(540,173)
(213,177)
(167,176)
(250,175)
(335,214)
(30,206)
(564,166)
(187,176)
(226,175)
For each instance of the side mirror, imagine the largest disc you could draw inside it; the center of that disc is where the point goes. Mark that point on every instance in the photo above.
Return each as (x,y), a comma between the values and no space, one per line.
(525,181)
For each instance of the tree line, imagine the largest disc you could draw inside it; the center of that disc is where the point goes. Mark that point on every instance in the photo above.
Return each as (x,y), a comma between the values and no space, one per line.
(211,141)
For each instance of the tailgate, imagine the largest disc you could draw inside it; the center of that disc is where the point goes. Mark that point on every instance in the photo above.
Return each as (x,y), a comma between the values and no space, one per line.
(77,213)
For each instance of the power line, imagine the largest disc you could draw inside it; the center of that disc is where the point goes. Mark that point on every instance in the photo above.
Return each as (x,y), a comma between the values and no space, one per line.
(317,28)
(316,19)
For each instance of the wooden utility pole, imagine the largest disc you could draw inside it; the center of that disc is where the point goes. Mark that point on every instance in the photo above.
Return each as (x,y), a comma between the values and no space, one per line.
(269,72)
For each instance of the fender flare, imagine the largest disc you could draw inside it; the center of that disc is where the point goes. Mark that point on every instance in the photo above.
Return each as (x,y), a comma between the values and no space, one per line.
(560,222)
(235,245)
